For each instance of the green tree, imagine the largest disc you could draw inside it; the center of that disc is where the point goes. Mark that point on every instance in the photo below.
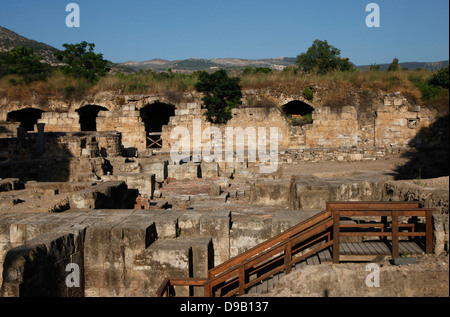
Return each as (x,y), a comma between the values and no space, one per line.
(221,94)
(22,61)
(375,67)
(394,65)
(322,58)
(441,78)
(81,61)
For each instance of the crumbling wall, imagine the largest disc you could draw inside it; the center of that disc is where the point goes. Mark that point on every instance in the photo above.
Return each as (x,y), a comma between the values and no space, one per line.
(398,123)
(60,121)
(333,129)
(39,266)
(128,122)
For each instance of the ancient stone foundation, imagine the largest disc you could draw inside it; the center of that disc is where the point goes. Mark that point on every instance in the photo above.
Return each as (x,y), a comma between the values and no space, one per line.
(98,213)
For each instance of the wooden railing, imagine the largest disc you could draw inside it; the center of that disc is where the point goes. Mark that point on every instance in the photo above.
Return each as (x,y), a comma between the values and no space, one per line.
(277,254)
(384,228)
(311,236)
(154,138)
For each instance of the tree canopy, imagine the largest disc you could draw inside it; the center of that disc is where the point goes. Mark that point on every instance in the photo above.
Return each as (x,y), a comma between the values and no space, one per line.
(441,78)
(322,58)
(81,61)
(22,61)
(221,94)
(394,65)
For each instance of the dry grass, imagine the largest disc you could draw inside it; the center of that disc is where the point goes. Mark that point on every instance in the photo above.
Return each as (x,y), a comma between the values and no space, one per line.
(338,84)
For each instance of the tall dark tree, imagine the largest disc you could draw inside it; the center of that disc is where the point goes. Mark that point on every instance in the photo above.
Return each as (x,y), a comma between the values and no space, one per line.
(81,61)
(322,58)
(221,94)
(394,65)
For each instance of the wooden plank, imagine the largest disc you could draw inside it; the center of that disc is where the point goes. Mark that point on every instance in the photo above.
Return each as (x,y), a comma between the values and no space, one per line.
(288,257)
(370,248)
(325,256)
(321,256)
(406,246)
(372,204)
(395,250)
(402,248)
(429,231)
(415,247)
(377,247)
(365,234)
(363,248)
(188,281)
(336,243)
(354,247)
(358,258)
(241,281)
(315,260)
(385,247)
(345,248)
(381,212)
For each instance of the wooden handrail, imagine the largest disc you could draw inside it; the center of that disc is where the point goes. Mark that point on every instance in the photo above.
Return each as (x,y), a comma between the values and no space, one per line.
(232,276)
(383,210)
(267,244)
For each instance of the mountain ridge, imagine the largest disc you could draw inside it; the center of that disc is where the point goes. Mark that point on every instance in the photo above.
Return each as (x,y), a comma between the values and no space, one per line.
(9,39)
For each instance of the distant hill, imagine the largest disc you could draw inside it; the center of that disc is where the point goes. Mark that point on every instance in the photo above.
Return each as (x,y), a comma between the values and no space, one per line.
(10,40)
(193,64)
(411,65)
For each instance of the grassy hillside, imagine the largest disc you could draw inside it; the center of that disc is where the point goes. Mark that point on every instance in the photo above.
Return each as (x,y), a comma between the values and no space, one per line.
(10,40)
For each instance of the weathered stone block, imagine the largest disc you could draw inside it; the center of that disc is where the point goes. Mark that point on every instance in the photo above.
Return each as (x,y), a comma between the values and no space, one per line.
(157,168)
(184,171)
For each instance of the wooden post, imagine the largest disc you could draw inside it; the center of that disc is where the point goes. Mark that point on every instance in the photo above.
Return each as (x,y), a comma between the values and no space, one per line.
(395,249)
(384,228)
(288,257)
(241,280)
(336,225)
(207,290)
(429,232)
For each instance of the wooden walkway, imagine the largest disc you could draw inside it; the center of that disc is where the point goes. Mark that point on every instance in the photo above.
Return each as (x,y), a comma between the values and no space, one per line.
(370,250)
(350,251)
(399,226)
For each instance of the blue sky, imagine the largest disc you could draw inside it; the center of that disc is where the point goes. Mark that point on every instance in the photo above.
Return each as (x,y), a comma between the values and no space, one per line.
(139,30)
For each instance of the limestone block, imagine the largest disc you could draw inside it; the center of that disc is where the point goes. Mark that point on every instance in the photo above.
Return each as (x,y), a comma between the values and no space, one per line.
(157,168)
(216,224)
(143,182)
(209,170)
(189,224)
(167,258)
(184,171)
(248,232)
(441,233)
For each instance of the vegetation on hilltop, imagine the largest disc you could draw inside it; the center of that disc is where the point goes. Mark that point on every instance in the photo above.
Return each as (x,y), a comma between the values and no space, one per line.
(221,94)
(427,88)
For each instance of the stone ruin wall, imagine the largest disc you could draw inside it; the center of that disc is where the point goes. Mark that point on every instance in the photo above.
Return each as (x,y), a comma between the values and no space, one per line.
(118,249)
(395,122)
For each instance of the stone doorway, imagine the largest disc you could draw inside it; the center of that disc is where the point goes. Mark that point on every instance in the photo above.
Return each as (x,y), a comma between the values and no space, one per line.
(27,117)
(155,116)
(88,117)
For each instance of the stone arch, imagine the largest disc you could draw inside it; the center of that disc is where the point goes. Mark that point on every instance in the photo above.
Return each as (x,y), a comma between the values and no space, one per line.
(27,117)
(155,116)
(88,117)
(297,107)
